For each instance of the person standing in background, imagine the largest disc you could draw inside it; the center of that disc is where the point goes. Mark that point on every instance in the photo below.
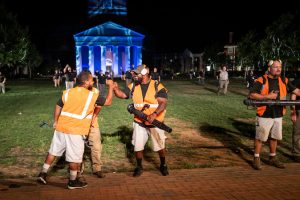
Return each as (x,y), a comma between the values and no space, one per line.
(101,82)
(2,82)
(295,111)
(223,81)
(56,78)
(70,77)
(155,75)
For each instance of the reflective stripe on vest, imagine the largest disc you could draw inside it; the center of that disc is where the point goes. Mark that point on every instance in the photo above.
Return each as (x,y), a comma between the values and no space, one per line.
(75,115)
(83,114)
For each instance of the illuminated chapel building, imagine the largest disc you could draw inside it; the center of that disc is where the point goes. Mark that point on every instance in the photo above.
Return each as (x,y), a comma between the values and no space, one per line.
(109,47)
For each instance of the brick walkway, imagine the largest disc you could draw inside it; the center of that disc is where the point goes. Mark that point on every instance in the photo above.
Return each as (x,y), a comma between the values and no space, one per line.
(209,183)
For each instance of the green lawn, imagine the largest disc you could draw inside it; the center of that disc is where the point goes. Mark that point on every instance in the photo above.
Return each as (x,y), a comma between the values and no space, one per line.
(27,104)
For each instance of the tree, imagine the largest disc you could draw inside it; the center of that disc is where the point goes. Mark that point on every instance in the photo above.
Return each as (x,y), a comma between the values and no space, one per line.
(282,40)
(248,52)
(214,54)
(33,59)
(13,39)
(16,47)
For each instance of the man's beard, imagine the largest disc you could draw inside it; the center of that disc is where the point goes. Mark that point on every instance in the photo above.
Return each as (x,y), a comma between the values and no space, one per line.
(137,81)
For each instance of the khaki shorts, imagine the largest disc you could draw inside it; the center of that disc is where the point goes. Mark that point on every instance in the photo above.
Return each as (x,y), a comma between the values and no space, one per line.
(72,144)
(140,137)
(268,127)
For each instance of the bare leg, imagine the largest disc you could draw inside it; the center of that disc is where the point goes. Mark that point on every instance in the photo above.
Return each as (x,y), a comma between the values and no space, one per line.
(49,159)
(273,145)
(257,146)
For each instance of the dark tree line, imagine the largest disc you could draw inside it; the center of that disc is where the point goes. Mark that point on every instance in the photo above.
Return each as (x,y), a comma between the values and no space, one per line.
(16,48)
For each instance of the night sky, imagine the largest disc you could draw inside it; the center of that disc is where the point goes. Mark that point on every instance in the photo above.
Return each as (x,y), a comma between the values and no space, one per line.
(167,25)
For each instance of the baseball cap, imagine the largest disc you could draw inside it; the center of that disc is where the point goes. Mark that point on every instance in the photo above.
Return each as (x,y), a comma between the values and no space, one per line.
(141,69)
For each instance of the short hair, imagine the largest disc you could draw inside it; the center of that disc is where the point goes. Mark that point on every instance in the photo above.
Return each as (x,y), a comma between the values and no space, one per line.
(83,76)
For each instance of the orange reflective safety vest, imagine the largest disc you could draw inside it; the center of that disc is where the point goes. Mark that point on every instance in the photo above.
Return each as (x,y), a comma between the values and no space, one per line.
(150,98)
(265,90)
(76,115)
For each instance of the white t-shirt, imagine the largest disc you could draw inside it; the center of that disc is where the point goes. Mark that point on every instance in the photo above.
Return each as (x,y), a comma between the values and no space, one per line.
(223,75)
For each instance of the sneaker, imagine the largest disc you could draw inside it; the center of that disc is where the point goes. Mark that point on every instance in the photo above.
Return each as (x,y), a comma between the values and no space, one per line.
(256,163)
(80,177)
(76,184)
(42,178)
(164,170)
(137,171)
(99,174)
(276,163)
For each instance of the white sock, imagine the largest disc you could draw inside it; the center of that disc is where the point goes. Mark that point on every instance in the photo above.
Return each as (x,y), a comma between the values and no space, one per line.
(272,154)
(45,167)
(73,175)
(256,155)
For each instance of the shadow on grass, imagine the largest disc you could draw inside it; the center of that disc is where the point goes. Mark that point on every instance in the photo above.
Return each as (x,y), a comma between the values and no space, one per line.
(124,135)
(230,89)
(231,139)
(238,92)
(211,90)
(249,131)
(234,140)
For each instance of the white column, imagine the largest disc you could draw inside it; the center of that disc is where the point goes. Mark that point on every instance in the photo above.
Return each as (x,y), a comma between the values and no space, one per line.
(91,59)
(103,58)
(78,59)
(139,55)
(115,64)
(127,57)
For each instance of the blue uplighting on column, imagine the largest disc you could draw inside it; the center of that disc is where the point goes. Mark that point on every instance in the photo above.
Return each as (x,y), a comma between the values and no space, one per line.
(78,59)
(85,57)
(120,61)
(116,61)
(139,55)
(103,58)
(91,59)
(127,54)
(134,56)
(97,58)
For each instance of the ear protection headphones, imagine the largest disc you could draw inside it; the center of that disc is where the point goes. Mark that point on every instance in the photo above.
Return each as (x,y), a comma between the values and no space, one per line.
(270,63)
(144,71)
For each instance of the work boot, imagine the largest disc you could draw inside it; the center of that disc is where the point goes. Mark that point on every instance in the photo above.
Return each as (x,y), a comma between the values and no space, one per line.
(256,163)
(99,174)
(275,162)
(164,170)
(138,171)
